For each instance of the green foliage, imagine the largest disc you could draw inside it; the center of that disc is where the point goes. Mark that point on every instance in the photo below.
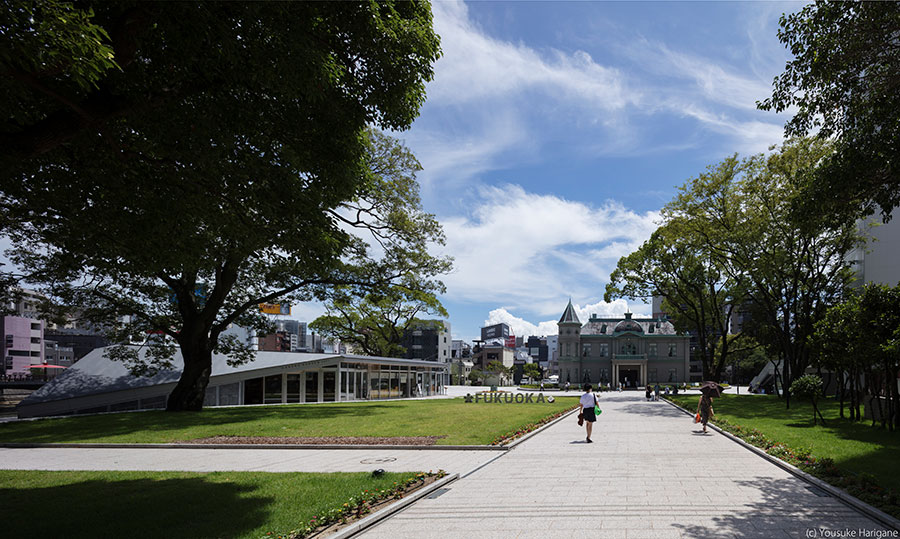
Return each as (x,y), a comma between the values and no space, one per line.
(860,336)
(533,371)
(216,504)
(225,164)
(476,376)
(843,84)
(808,386)
(729,243)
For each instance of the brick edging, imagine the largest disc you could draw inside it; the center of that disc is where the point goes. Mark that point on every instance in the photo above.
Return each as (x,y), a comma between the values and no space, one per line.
(854,502)
(378,516)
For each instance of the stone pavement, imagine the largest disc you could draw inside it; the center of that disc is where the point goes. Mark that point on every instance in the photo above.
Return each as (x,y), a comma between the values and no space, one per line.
(649,474)
(243,460)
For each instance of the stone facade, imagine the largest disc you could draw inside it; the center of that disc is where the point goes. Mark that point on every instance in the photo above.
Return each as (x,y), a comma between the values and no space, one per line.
(631,351)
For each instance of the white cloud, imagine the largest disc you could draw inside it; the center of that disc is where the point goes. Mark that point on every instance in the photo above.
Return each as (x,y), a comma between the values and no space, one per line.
(527,250)
(519,326)
(492,101)
(475,66)
(523,328)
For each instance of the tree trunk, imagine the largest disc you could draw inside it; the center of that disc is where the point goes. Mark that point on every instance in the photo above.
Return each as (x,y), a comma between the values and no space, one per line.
(841,381)
(190,391)
(786,385)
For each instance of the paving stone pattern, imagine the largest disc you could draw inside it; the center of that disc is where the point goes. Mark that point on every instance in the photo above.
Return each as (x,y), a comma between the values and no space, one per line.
(649,474)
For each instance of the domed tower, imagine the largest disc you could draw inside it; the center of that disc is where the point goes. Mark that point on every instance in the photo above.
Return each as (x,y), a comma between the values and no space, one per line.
(569,346)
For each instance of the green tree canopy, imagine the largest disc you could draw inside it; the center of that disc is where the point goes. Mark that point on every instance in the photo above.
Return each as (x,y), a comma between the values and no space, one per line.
(376,323)
(844,81)
(223,160)
(680,263)
(730,241)
(533,371)
(861,336)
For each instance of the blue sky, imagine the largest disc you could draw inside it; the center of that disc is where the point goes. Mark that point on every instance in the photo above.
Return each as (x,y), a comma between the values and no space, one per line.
(554,131)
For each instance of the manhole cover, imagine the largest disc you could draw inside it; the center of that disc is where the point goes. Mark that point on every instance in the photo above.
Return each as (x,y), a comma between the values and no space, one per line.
(437,493)
(377,460)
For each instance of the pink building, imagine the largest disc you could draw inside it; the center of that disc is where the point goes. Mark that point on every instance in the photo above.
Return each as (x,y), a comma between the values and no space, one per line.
(22,344)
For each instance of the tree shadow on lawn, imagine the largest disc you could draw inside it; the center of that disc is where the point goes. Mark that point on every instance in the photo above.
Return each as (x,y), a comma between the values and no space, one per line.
(70,429)
(178,507)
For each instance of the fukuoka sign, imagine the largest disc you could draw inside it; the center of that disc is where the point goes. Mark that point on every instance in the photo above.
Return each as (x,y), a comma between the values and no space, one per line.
(508,398)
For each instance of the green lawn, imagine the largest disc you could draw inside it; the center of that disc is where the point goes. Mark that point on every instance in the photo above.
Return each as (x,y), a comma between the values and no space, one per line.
(171,504)
(856,447)
(461,423)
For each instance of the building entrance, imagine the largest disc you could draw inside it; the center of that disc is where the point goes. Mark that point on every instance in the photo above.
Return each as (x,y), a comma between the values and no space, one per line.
(629,377)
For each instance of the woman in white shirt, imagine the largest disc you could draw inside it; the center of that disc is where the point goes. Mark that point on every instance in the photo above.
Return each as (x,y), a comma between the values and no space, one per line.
(587,403)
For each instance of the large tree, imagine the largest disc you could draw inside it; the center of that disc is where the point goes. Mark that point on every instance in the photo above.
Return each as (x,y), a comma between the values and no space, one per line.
(861,337)
(210,157)
(678,264)
(844,82)
(795,269)
(375,324)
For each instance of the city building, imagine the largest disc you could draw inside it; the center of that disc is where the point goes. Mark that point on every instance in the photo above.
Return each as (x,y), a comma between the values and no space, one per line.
(627,350)
(552,355)
(496,331)
(22,345)
(81,341)
(280,341)
(57,354)
(429,340)
(879,261)
(460,349)
(97,384)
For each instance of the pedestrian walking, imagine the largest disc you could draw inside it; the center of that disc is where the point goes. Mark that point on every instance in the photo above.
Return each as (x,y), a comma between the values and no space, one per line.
(705,409)
(586,413)
(656,392)
(648,392)
(567,385)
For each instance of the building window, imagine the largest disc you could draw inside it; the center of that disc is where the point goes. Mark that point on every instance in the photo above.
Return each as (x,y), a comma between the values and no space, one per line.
(629,349)
(604,350)
(586,350)
(652,349)
(604,376)
(672,350)
(671,375)
(651,375)
(36,340)
(36,327)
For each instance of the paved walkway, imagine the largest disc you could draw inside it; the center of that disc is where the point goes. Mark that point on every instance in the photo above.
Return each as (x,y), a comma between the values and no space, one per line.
(243,460)
(648,475)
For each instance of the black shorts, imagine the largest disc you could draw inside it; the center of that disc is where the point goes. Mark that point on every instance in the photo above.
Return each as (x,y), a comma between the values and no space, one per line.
(589,414)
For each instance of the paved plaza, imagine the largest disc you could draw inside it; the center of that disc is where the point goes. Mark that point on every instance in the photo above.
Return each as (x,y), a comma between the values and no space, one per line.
(648,474)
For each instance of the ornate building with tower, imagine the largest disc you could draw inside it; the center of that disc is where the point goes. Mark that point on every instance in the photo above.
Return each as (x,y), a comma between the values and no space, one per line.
(631,351)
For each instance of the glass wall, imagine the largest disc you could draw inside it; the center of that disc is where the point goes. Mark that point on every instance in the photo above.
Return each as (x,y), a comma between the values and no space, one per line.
(253,391)
(329,379)
(354,381)
(312,386)
(273,389)
(293,388)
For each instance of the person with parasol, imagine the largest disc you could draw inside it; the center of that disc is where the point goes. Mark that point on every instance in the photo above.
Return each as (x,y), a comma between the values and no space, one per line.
(709,391)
